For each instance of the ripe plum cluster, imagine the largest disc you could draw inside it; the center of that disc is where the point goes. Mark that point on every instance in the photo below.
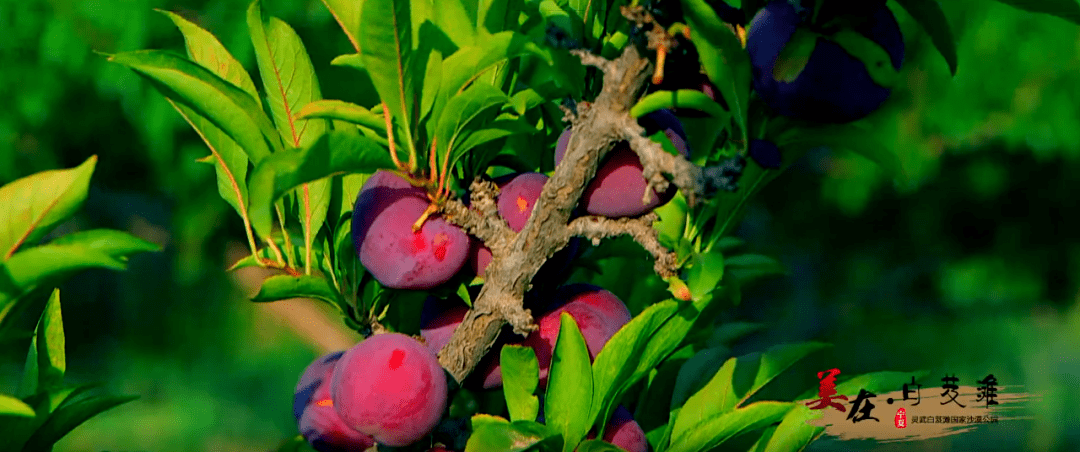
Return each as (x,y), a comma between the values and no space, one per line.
(390,389)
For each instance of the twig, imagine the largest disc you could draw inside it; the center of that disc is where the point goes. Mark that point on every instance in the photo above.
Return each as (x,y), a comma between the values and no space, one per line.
(640,229)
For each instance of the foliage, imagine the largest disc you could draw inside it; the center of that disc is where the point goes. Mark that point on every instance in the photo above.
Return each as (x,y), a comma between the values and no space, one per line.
(320,250)
(48,409)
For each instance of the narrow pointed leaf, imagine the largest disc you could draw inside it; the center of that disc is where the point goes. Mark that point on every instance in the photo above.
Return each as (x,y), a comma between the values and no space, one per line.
(342,111)
(37,203)
(287,75)
(291,84)
(38,266)
(619,358)
(929,15)
(46,360)
(683,98)
(794,432)
(204,48)
(284,287)
(333,153)
(570,385)
(228,107)
(11,406)
(229,160)
(714,431)
(722,56)
(387,44)
(716,397)
(477,102)
(347,15)
(71,415)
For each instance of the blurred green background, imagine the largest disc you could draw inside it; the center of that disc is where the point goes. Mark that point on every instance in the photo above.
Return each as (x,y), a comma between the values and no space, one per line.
(970,266)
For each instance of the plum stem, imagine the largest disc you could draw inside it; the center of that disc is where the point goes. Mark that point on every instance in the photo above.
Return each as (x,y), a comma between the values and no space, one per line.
(431,209)
(390,137)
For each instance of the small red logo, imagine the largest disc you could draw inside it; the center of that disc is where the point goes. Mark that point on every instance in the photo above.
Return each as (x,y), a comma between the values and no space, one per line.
(901,418)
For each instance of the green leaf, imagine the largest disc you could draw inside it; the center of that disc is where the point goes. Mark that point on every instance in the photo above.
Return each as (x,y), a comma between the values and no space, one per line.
(716,397)
(1065,9)
(497,129)
(929,15)
(284,287)
(229,160)
(45,362)
(333,153)
(430,92)
(35,204)
(453,18)
(495,434)
(11,406)
(521,374)
(672,221)
(388,46)
(463,109)
(288,77)
(499,15)
(71,415)
(291,84)
(705,366)
(469,62)
(343,111)
(228,107)
(570,385)
(725,61)
(705,275)
(795,55)
(715,430)
(619,358)
(877,61)
(683,98)
(793,434)
(41,265)
(204,48)
(347,15)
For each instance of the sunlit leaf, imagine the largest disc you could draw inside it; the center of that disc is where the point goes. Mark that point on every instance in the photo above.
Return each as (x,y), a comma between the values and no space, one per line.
(347,15)
(714,431)
(228,107)
(387,44)
(495,434)
(521,374)
(619,360)
(683,98)
(333,153)
(204,48)
(39,266)
(10,406)
(284,287)
(725,61)
(570,385)
(342,111)
(71,415)
(37,203)
(46,362)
